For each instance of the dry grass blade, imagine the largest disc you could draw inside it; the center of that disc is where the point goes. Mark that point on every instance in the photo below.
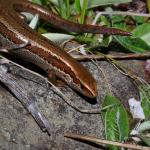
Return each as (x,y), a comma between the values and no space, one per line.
(100,142)
(119,57)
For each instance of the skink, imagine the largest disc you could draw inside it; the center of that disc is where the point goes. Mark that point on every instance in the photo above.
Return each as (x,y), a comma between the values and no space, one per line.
(43,52)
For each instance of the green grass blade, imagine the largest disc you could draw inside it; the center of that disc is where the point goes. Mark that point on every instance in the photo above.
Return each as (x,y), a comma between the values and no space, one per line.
(83,12)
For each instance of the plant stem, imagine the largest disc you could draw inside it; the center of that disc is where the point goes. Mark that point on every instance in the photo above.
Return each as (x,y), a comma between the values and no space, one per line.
(62,9)
(148,5)
(83,12)
(68,8)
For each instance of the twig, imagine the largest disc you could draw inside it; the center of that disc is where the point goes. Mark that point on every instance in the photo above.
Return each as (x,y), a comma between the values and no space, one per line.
(76,48)
(24,96)
(100,141)
(119,57)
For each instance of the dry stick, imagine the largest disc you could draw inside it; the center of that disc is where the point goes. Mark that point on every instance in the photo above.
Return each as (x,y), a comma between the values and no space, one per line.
(100,141)
(120,57)
(75,49)
(24,96)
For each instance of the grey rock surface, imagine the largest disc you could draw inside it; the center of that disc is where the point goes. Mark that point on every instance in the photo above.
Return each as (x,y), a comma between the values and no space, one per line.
(19,131)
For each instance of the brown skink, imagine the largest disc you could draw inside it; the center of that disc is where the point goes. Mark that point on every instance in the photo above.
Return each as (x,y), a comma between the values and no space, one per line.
(43,52)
